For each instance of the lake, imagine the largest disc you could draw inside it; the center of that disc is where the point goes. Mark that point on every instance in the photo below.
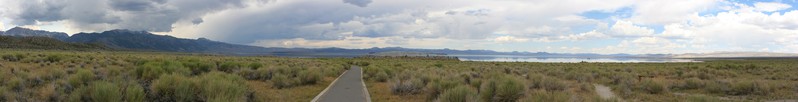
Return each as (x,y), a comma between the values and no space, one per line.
(510,58)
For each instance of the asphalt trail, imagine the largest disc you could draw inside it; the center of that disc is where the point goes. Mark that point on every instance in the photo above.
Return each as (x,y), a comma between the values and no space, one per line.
(348,87)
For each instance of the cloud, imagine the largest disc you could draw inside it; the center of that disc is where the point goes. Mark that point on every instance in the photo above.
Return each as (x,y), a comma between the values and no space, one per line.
(99,15)
(711,25)
(628,29)
(668,11)
(507,39)
(770,6)
(361,3)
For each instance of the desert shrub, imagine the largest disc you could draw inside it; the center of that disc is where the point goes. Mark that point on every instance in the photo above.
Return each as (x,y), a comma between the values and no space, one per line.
(750,87)
(134,93)
(102,91)
(718,87)
(458,94)
(691,83)
(405,87)
(248,74)
(54,73)
(198,67)
(281,81)
(13,57)
(381,76)
(652,87)
(80,94)
(502,89)
(54,58)
(546,83)
(579,77)
(3,93)
(81,78)
(154,69)
(544,96)
(229,66)
(16,84)
(435,87)
(223,87)
(175,87)
(255,66)
(309,77)
(264,73)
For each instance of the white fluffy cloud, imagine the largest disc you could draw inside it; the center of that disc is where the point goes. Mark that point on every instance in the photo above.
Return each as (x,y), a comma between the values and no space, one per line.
(770,6)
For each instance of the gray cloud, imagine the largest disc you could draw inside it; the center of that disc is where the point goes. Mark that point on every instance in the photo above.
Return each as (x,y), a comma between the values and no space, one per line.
(98,15)
(361,3)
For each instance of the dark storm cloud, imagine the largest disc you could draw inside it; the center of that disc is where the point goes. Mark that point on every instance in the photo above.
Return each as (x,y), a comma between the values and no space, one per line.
(97,15)
(133,5)
(361,3)
(32,12)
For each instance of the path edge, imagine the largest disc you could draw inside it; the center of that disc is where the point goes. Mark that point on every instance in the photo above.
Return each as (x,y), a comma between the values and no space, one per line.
(365,88)
(316,99)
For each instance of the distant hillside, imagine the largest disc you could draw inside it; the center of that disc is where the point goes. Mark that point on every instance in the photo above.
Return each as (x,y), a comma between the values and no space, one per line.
(141,40)
(734,55)
(35,42)
(25,32)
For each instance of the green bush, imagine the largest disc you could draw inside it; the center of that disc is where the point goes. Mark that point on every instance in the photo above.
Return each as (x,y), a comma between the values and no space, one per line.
(309,77)
(16,84)
(134,93)
(229,66)
(510,90)
(652,87)
(502,89)
(381,76)
(281,81)
(81,78)
(198,67)
(13,57)
(439,86)
(248,74)
(255,66)
(223,87)
(102,91)
(458,94)
(175,87)
(546,83)
(154,69)
(750,87)
(409,86)
(54,58)
(693,83)
(264,73)
(79,95)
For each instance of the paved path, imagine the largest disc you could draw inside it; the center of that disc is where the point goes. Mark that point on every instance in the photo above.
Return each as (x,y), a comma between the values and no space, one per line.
(349,87)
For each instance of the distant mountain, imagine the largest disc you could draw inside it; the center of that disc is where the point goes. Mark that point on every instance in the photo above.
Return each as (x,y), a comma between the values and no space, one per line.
(141,40)
(734,55)
(25,32)
(36,42)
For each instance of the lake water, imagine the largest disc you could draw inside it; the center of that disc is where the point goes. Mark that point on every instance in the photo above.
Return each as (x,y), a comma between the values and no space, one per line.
(504,58)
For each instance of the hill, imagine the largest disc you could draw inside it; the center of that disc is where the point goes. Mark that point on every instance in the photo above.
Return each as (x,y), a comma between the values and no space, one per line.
(35,42)
(141,40)
(25,32)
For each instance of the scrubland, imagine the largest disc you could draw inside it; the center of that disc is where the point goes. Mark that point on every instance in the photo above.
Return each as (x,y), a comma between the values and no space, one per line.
(49,75)
(103,76)
(463,81)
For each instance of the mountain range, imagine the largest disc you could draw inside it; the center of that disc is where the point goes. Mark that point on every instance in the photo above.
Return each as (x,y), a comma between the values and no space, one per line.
(146,41)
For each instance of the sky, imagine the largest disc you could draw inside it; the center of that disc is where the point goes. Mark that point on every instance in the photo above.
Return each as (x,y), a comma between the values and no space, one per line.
(563,26)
